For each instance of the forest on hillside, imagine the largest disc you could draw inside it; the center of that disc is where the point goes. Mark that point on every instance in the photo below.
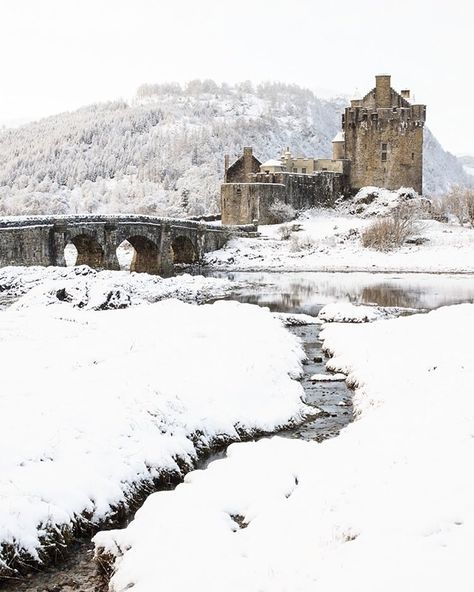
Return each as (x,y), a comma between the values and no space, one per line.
(162,153)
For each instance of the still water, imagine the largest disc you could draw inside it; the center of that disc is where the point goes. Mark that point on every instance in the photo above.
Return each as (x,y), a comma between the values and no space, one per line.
(307,292)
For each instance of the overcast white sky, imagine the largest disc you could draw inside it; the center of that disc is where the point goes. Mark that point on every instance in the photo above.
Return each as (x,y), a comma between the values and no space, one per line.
(61,54)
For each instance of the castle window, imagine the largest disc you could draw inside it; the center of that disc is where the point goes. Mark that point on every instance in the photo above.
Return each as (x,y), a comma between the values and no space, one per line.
(303,170)
(413,156)
(384,152)
(295,170)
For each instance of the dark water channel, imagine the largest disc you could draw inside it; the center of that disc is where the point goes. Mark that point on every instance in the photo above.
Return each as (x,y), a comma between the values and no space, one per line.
(294,293)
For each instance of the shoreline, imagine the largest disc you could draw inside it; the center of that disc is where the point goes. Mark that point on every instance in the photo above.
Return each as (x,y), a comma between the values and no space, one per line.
(330,270)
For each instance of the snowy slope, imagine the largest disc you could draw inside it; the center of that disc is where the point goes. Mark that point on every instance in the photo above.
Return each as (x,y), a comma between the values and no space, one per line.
(387,505)
(468,163)
(95,405)
(163,152)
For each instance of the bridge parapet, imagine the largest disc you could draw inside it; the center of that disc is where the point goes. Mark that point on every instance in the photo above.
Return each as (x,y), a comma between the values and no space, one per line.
(158,242)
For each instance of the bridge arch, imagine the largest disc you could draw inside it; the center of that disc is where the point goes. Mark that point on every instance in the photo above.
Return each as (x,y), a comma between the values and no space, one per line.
(184,250)
(146,255)
(89,251)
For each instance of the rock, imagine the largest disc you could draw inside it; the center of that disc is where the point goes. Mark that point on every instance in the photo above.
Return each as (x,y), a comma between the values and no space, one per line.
(417,240)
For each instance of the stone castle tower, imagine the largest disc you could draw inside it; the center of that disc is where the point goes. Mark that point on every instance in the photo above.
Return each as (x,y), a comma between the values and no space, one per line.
(383,139)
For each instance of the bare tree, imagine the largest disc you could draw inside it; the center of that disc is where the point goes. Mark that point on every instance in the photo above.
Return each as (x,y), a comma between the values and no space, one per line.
(456,203)
(469,202)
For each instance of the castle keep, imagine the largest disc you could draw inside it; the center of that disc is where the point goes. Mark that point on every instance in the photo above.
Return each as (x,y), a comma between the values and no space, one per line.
(383,139)
(380,144)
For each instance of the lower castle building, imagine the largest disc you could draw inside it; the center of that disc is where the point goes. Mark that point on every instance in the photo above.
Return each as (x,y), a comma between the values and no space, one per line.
(380,144)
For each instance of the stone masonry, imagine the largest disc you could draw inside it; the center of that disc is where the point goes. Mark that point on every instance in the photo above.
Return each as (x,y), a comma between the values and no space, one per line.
(158,243)
(380,144)
(383,139)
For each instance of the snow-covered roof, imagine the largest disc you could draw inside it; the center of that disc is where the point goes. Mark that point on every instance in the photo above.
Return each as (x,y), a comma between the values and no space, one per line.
(339,137)
(272,163)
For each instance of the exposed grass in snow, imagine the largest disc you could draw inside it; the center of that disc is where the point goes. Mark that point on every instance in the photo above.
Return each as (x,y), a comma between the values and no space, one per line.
(95,406)
(385,506)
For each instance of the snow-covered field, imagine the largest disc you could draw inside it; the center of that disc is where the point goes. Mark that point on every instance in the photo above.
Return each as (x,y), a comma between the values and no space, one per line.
(330,241)
(388,505)
(86,288)
(96,404)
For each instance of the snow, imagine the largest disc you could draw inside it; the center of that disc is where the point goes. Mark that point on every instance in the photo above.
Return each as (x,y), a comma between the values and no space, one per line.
(387,505)
(375,201)
(345,312)
(295,320)
(272,163)
(330,241)
(94,405)
(469,169)
(339,137)
(328,377)
(83,287)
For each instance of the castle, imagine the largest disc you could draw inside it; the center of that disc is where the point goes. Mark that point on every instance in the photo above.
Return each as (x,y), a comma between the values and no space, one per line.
(380,144)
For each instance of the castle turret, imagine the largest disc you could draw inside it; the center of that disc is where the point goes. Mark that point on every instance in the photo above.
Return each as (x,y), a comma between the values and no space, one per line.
(383,135)
(338,149)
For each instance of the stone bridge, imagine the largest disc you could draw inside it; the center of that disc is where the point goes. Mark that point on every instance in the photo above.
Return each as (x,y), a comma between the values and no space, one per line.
(158,243)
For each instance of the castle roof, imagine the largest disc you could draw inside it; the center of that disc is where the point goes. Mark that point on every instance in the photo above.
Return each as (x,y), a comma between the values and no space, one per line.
(339,137)
(272,163)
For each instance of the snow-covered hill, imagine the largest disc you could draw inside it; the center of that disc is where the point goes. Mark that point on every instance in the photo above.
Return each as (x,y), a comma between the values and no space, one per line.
(468,163)
(162,153)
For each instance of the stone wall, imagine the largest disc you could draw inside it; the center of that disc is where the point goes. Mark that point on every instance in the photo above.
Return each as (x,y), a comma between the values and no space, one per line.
(242,203)
(34,247)
(384,139)
(320,189)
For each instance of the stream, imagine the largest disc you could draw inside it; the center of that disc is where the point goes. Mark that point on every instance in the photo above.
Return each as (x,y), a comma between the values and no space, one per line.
(291,293)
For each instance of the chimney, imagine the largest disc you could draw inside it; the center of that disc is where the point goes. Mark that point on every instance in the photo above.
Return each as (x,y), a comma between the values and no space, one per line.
(383,95)
(405,94)
(248,161)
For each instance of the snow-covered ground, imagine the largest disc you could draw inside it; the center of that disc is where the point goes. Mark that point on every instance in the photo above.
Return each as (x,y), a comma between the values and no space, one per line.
(345,312)
(94,405)
(330,241)
(385,506)
(86,288)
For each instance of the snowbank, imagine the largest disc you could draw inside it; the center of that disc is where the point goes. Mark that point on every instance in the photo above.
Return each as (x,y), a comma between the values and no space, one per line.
(338,376)
(387,505)
(345,312)
(83,287)
(95,405)
(330,241)
(296,320)
(375,201)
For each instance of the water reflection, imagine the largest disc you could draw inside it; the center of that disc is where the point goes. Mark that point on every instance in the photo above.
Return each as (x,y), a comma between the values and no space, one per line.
(308,292)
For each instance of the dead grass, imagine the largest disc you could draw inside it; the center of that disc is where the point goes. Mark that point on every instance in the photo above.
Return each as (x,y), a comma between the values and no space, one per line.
(389,233)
